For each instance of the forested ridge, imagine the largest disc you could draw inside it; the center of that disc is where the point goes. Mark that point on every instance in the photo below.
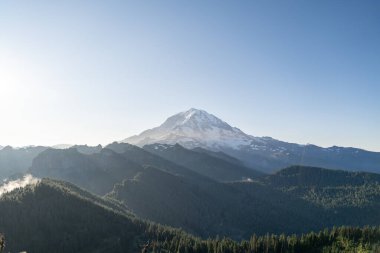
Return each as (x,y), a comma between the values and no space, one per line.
(54,216)
(335,240)
(153,186)
(115,199)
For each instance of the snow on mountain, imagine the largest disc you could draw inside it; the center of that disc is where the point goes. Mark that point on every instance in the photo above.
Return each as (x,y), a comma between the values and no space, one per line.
(193,128)
(197,128)
(62,146)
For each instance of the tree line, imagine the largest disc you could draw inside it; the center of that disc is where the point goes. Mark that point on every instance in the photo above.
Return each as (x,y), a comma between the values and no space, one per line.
(337,239)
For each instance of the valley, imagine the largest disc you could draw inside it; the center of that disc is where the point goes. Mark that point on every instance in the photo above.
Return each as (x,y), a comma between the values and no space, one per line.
(136,194)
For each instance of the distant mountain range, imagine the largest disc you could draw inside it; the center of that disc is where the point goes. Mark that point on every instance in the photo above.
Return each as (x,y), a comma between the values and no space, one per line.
(104,199)
(199,129)
(208,193)
(16,161)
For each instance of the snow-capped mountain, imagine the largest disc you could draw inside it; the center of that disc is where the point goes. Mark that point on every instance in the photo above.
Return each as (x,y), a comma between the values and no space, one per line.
(193,128)
(197,128)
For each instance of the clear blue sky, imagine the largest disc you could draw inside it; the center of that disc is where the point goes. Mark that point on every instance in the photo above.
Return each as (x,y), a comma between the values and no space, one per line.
(98,71)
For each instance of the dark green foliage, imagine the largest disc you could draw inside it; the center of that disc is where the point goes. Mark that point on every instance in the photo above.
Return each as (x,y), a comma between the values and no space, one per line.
(303,176)
(349,197)
(336,240)
(294,200)
(50,217)
(58,217)
(209,208)
(54,216)
(2,242)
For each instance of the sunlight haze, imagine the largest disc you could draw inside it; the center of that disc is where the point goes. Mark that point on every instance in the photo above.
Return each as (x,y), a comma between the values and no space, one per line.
(100,71)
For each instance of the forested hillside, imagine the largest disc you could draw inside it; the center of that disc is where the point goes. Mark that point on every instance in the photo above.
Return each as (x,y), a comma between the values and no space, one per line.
(54,216)
(349,197)
(211,208)
(293,200)
(335,240)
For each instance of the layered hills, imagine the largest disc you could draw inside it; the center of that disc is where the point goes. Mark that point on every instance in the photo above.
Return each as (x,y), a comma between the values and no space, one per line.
(54,216)
(175,186)
(199,129)
(195,173)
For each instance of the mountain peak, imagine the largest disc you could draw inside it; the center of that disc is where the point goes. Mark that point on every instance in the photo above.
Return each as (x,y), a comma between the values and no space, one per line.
(192,128)
(196,113)
(195,119)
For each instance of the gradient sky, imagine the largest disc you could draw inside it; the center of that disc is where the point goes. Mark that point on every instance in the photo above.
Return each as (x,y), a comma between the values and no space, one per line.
(98,71)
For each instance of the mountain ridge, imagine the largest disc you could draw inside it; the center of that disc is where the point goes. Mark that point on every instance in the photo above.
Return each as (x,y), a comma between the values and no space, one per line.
(198,129)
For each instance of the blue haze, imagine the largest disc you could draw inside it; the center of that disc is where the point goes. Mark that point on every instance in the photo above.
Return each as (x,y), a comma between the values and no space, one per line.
(98,71)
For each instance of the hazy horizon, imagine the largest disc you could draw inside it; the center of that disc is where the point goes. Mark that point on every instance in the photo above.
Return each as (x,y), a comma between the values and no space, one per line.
(97,72)
(120,139)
